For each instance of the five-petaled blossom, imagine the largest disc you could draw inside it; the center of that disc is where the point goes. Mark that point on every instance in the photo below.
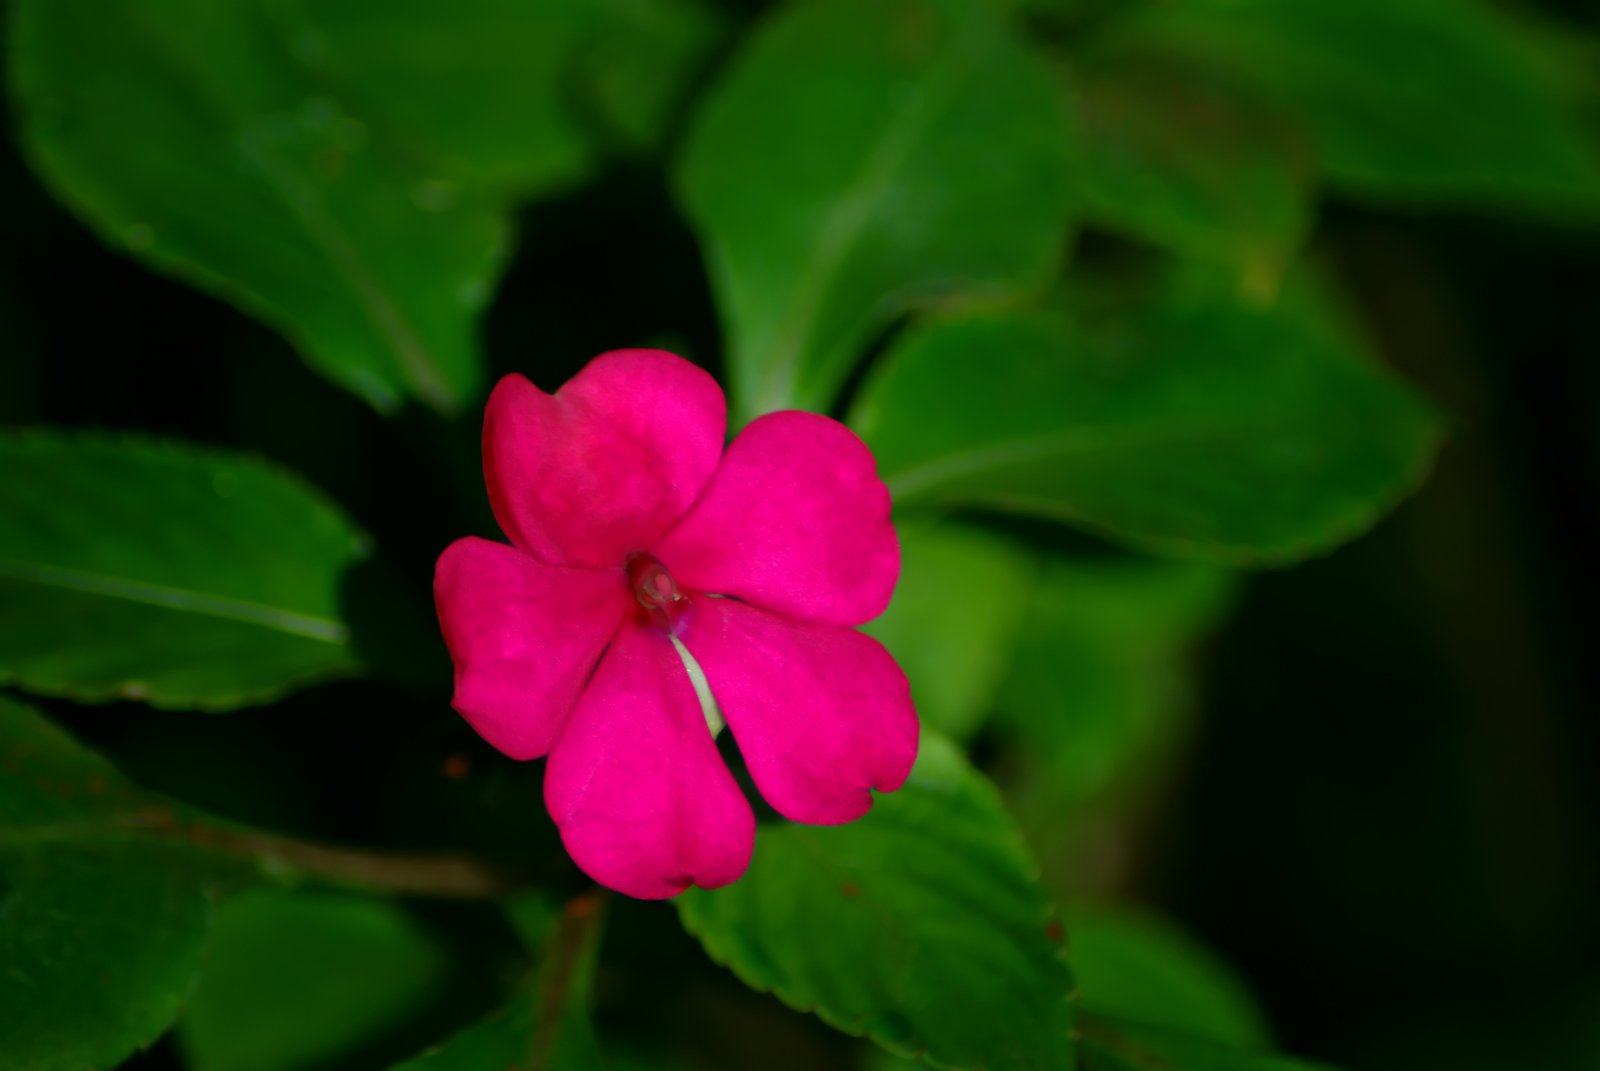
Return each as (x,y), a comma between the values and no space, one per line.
(634,535)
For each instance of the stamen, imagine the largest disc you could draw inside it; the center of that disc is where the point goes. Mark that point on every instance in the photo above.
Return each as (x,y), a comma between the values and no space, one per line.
(656,592)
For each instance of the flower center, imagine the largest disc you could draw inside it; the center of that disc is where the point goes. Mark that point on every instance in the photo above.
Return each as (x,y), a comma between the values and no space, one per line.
(657,592)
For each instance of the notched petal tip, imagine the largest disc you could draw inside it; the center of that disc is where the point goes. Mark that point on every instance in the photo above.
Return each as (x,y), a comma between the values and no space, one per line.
(607,463)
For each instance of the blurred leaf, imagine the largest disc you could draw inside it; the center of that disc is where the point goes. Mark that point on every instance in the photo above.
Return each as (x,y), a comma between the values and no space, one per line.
(1109,1045)
(1193,428)
(1176,160)
(546,1024)
(1136,967)
(341,170)
(639,61)
(139,569)
(101,929)
(954,618)
(858,158)
(1423,99)
(295,980)
(919,926)
(1095,708)
(1097,676)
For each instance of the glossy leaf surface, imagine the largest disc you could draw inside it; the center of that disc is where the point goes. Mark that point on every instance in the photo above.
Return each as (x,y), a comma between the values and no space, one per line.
(1189,428)
(857,158)
(137,569)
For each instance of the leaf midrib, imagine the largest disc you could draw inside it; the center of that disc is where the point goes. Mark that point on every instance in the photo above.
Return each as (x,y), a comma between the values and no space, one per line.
(305,203)
(186,600)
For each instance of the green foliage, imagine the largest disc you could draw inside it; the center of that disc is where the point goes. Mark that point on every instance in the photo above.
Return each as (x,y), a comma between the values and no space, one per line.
(955,616)
(1190,427)
(844,169)
(298,979)
(546,1022)
(1136,967)
(1172,157)
(102,924)
(937,936)
(161,572)
(1114,1046)
(341,170)
(1470,106)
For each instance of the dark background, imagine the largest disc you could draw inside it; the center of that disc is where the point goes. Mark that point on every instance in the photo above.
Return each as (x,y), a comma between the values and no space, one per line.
(1389,824)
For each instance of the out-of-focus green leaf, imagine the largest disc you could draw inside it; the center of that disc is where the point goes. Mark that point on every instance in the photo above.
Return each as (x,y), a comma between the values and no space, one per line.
(546,1023)
(139,569)
(1428,100)
(920,925)
(101,928)
(299,979)
(341,170)
(1097,676)
(954,617)
(1111,1045)
(1184,425)
(1136,967)
(638,61)
(1175,159)
(858,158)
(1095,706)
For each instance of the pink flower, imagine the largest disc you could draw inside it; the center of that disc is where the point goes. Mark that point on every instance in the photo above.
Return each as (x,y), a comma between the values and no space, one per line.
(632,532)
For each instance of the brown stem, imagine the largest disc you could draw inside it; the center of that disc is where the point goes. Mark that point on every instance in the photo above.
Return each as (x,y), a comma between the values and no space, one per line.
(569,966)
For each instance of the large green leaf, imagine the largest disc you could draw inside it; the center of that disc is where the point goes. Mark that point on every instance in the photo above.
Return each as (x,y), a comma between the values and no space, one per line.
(1418,99)
(101,928)
(545,1026)
(858,158)
(955,614)
(1112,1045)
(299,979)
(1184,426)
(139,569)
(1138,967)
(920,926)
(340,169)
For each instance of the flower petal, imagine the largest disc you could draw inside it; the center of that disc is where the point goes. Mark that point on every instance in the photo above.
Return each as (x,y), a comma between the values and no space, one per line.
(645,803)
(795,519)
(524,636)
(821,712)
(605,465)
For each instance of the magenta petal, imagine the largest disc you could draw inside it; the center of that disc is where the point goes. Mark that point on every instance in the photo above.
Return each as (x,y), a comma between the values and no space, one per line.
(645,804)
(524,636)
(605,465)
(821,712)
(795,519)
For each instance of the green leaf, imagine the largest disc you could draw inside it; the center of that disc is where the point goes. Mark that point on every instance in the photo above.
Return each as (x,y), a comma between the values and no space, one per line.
(857,159)
(1137,967)
(341,170)
(1187,427)
(955,615)
(920,926)
(1406,99)
(300,979)
(546,1023)
(101,928)
(1110,1045)
(1098,677)
(139,569)
(1173,158)
(639,61)
(1095,709)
